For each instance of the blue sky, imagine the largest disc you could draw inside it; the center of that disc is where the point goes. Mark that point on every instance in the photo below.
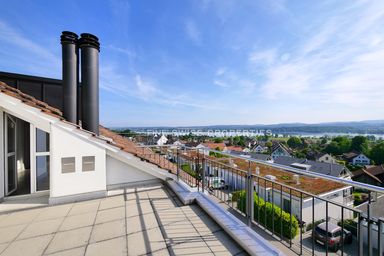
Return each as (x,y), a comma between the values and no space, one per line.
(203,62)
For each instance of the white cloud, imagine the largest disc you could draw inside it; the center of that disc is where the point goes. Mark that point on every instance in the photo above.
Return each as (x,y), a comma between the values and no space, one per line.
(261,58)
(145,89)
(26,53)
(192,31)
(339,62)
(137,86)
(221,83)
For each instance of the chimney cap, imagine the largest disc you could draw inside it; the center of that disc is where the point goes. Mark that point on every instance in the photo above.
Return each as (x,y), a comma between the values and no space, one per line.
(89,40)
(68,37)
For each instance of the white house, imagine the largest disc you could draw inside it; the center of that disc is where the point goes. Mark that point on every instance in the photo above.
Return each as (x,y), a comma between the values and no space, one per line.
(356,158)
(44,154)
(279,149)
(162,140)
(259,149)
(326,158)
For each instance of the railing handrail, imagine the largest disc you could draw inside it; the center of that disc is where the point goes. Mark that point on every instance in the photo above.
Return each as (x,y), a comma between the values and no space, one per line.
(284,167)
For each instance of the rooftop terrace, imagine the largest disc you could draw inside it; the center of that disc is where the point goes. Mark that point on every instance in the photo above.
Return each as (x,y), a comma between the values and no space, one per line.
(140,221)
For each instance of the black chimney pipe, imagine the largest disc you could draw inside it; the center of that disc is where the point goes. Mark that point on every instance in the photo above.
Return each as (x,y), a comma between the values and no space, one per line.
(90,47)
(70,58)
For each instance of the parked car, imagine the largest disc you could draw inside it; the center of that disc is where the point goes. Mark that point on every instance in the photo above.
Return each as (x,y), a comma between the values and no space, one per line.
(347,236)
(216,183)
(334,235)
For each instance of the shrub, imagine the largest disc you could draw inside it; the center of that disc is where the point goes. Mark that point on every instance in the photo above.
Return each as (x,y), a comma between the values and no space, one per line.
(265,212)
(187,168)
(350,225)
(310,226)
(236,195)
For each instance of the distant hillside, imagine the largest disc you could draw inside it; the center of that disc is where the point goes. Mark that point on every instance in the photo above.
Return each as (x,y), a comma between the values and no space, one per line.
(361,127)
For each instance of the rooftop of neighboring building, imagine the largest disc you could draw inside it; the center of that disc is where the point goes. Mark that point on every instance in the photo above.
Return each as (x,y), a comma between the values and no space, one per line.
(335,170)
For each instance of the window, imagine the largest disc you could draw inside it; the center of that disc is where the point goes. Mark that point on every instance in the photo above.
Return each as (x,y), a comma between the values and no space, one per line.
(42,141)
(42,173)
(42,160)
(88,163)
(68,165)
(286,205)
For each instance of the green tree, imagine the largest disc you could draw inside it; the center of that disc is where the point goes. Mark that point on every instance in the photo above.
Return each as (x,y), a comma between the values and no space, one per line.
(377,153)
(218,140)
(359,144)
(344,144)
(323,141)
(333,148)
(294,142)
(269,144)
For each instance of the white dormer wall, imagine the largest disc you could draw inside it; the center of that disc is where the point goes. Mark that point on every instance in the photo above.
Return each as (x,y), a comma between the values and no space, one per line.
(63,145)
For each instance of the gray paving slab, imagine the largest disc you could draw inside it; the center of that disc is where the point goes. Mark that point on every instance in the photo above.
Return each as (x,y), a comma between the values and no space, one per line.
(148,220)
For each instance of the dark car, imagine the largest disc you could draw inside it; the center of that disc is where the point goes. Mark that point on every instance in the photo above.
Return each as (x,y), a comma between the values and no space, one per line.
(334,236)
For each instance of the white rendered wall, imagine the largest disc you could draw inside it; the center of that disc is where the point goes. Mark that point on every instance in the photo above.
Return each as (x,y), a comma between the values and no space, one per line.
(119,172)
(65,144)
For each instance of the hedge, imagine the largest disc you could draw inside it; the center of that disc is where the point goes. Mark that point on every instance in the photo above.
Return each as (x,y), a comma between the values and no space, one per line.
(351,225)
(187,168)
(280,218)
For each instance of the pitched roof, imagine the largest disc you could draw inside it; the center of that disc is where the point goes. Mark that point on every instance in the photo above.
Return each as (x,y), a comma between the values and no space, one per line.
(258,156)
(234,148)
(277,145)
(105,134)
(371,170)
(349,156)
(334,170)
(213,145)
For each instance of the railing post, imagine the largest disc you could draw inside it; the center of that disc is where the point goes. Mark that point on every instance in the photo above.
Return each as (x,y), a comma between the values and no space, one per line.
(379,232)
(177,163)
(369,223)
(250,196)
(360,234)
(203,174)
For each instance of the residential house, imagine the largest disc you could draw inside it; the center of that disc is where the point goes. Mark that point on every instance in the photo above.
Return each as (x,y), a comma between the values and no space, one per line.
(228,149)
(191,144)
(355,158)
(162,140)
(278,149)
(259,149)
(325,158)
(370,174)
(335,170)
(212,146)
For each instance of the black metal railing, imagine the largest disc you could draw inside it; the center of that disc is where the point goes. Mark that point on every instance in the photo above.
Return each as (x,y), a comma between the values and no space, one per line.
(308,222)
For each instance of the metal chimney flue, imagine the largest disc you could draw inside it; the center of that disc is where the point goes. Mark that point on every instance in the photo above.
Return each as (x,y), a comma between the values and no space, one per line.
(90,47)
(70,74)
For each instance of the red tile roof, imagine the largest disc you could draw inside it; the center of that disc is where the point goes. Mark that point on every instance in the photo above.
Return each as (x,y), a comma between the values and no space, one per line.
(235,148)
(29,100)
